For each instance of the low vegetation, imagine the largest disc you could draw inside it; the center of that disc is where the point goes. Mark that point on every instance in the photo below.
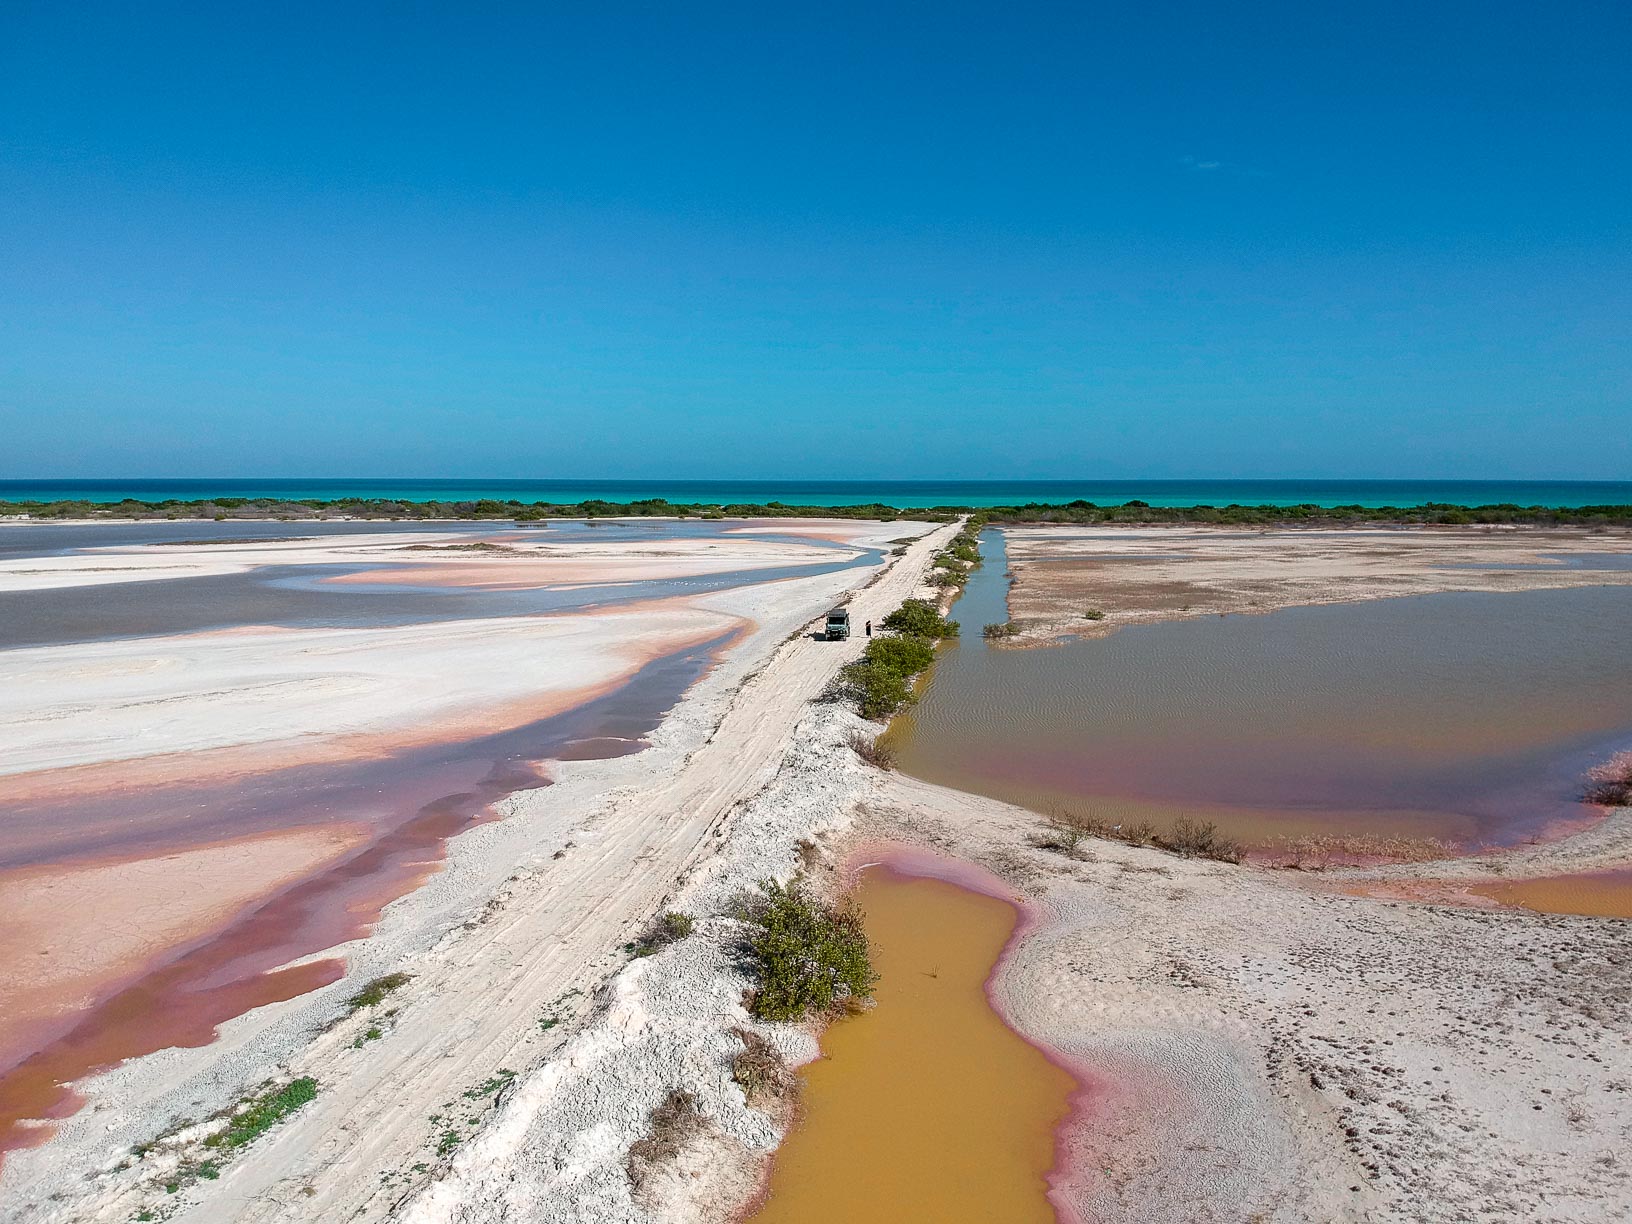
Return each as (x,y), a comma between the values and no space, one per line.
(1200,839)
(1611,785)
(674,1123)
(870,749)
(806,957)
(760,1070)
(262,1112)
(919,618)
(1093,614)
(999,631)
(1316,852)
(667,928)
(222,509)
(880,682)
(1065,831)
(377,990)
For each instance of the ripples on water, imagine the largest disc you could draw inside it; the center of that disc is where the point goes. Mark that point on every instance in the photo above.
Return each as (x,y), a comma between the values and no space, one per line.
(1468,716)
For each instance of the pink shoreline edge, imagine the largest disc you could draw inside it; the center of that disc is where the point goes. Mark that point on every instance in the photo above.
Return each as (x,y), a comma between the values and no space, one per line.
(1092,1087)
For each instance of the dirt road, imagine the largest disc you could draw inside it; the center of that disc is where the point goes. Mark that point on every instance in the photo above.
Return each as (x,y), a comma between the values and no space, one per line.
(474,1005)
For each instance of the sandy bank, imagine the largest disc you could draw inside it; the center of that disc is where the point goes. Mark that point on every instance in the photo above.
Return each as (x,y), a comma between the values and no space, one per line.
(449,557)
(1136,575)
(305,690)
(1278,1053)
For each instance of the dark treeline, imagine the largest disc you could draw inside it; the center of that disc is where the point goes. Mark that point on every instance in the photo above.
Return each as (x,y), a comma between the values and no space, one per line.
(1133,512)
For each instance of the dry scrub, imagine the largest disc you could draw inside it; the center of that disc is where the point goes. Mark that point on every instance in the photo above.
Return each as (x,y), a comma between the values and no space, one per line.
(675,1122)
(761,1071)
(869,749)
(1189,838)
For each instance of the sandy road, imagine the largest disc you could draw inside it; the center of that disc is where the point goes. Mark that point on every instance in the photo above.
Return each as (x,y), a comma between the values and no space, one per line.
(476,998)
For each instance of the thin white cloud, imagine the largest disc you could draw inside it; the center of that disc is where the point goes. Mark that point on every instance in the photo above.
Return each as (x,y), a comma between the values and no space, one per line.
(1208,165)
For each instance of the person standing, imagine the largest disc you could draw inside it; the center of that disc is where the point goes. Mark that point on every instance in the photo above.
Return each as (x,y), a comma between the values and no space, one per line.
(869,628)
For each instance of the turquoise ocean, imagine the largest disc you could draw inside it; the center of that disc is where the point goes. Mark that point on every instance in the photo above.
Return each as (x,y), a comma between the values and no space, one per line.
(902,493)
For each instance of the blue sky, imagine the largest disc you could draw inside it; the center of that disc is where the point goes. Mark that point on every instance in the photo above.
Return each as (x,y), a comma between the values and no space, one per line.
(865,240)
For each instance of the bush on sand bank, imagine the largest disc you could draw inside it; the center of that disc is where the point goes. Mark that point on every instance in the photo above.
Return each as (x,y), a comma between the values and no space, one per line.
(805,956)
(918,618)
(879,682)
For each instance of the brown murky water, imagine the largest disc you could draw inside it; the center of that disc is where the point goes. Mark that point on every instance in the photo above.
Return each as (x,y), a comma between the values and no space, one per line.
(1469,718)
(927,1107)
(1599,894)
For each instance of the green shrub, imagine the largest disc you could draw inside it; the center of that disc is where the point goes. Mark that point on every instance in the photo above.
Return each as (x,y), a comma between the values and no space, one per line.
(879,682)
(805,956)
(1006,629)
(906,656)
(918,618)
(1093,614)
(877,691)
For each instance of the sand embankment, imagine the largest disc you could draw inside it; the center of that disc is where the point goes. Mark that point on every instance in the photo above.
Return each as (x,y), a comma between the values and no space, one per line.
(1283,1053)
(191,706)
(1136,575)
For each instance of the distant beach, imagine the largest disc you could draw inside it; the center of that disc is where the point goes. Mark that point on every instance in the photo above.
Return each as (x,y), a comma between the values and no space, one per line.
(905,494)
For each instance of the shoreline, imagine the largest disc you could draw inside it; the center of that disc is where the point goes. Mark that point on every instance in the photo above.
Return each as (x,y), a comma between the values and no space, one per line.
(1090,1087)
(572,839)
(1192,971)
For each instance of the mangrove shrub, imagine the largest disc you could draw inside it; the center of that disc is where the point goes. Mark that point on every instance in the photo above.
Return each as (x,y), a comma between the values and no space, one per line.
(805,956)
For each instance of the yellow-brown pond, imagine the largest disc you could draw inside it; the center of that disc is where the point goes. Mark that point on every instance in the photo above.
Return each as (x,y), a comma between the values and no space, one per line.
(1599,894)
(926,1107)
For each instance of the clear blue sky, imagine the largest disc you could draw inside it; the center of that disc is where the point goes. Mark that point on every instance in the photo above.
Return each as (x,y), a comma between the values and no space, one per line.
(866,240)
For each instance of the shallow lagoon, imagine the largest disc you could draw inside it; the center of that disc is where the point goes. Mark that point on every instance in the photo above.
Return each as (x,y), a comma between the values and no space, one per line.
(1466,717)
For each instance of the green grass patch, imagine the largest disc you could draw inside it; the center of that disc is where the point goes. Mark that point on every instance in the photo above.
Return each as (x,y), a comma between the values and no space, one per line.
(261,1113)
(376,991)
(491,1085)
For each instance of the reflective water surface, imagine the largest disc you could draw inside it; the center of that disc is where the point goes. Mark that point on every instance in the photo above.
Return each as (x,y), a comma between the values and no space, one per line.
(927,1107)
(1600,894)
(1469,718)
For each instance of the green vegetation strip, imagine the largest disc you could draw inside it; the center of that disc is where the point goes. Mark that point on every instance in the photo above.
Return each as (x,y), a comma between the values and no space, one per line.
(880,681)
(261,1113)
(1132,512)
(376,991)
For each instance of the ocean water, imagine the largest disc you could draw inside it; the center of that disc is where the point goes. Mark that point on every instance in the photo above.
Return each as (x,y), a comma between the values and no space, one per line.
(902,493)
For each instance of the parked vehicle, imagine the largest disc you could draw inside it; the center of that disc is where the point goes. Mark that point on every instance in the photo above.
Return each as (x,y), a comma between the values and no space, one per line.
(838,625)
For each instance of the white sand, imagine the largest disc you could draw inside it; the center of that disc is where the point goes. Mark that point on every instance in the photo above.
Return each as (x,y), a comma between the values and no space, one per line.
(1267,1049)
(577,559)
(494,941)
(129,698)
